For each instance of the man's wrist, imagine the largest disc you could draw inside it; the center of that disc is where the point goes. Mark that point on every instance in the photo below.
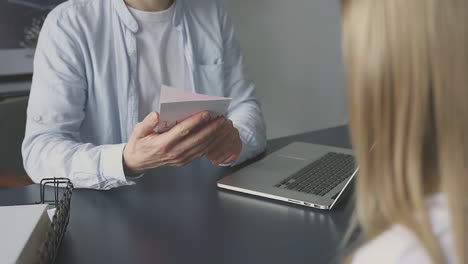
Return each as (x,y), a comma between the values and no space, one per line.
(129,172)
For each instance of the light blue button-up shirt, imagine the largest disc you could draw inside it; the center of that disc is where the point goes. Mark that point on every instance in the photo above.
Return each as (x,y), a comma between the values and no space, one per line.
(83,103)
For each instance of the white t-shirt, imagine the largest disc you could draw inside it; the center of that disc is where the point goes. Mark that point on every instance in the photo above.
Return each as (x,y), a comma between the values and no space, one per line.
(399,245)
(160,57)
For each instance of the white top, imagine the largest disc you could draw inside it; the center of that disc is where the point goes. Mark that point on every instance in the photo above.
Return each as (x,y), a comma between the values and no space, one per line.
(399,245)
(160,58)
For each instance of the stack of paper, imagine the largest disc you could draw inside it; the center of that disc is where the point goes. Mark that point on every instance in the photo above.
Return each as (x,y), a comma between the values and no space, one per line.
(23,230)
(176,105)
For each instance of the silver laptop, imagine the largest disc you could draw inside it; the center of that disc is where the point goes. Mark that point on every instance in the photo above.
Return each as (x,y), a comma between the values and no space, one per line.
(300,173)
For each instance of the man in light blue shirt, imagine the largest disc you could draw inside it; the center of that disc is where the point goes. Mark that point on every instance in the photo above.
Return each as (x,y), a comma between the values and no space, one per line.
(93,75)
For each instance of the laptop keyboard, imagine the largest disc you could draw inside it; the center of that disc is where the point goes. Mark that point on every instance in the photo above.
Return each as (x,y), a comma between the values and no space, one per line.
(322,175)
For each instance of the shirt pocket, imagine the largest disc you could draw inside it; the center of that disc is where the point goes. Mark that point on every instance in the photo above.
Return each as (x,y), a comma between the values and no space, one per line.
(211,79)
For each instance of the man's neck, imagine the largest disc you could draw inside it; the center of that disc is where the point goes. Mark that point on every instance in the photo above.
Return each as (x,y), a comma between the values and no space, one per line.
(149,5)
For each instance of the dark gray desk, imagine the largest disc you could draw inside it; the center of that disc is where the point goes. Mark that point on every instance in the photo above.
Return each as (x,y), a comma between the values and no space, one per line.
(180,216)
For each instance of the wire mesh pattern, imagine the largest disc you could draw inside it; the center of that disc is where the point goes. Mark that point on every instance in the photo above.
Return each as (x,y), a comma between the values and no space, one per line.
(49,248)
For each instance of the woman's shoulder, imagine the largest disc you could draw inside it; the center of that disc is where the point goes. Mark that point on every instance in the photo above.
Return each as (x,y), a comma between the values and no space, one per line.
(400,245)
(391,247)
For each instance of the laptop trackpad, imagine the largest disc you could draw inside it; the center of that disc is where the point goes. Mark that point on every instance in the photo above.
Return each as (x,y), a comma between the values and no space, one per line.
(302,151)
(281,165)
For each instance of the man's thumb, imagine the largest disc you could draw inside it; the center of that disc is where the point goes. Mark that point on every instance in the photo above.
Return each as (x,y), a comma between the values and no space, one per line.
(146,126)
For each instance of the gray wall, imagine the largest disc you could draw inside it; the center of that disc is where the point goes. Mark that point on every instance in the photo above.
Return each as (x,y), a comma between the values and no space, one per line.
(293,55)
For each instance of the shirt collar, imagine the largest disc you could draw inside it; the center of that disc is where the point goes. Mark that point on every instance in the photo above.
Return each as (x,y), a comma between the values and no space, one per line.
(131,22)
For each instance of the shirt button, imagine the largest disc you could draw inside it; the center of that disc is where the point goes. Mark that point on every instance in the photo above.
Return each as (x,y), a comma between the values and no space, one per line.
(37,118)
(132,89)
(131,52)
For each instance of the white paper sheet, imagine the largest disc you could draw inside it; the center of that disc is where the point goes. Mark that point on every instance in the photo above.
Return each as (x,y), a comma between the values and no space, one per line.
(51,213)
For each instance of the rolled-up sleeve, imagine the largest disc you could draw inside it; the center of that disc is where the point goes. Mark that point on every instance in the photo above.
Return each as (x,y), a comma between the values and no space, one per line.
(52,146)
(245,110)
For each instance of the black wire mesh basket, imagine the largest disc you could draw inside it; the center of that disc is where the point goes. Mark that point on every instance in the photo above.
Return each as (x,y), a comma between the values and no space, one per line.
(61,186)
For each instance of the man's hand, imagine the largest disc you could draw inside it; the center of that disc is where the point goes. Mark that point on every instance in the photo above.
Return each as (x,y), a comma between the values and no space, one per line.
(177,147)
(227,147)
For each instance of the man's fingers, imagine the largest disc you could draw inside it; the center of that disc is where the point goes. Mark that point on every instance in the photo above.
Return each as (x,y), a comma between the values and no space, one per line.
(146,126)
(188,158)
(227,150)
(199,150)
(222,137)
(183,129)
(208,133)
(187,140)
(231,159)
(217,147)
(196,146)
(222,157)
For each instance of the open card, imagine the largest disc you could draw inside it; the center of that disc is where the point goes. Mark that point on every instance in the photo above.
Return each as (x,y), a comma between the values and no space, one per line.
(176,105)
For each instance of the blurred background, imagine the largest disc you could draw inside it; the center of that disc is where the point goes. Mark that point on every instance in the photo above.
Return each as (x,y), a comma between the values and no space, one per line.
(292,49)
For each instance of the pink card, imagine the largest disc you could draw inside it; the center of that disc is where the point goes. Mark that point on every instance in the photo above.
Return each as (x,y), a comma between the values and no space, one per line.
(176,105)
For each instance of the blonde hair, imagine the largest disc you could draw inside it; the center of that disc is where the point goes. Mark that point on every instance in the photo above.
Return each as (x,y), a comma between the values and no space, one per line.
(407,78)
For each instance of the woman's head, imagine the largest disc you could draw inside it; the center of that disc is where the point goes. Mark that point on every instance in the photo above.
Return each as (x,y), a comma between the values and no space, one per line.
(407,77)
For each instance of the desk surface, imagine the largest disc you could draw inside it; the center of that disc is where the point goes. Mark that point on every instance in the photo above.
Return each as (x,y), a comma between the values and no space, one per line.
(180,216)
